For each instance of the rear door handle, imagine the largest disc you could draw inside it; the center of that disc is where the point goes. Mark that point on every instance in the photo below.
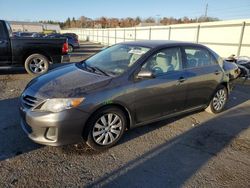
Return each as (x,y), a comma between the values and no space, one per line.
(181,79)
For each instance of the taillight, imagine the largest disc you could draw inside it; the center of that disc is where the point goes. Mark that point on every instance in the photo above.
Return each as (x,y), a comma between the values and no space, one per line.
(65,48)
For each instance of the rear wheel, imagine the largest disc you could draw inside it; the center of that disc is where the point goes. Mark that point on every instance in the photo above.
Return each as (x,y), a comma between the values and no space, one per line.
(218,101)
(105,128)
(36,64)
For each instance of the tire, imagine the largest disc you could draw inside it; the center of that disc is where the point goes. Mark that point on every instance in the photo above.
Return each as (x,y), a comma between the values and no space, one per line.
(71,48)
(218,101)
(36,64)
(96,133)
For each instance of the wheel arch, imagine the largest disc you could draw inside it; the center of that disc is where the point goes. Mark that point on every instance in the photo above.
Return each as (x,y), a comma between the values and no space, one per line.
(125,110)
(225,84)
(30,52)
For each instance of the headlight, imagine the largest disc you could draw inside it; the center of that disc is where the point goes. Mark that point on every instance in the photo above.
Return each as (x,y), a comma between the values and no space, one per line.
(60,104)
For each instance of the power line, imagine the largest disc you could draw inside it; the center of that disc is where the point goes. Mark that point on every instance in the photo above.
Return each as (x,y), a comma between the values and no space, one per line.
(246,9)
(206,10)
(209,11)
(227,8)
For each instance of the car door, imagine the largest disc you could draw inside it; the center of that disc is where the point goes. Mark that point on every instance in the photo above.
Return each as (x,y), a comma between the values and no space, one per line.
(166,92)
(5,53)
(203,75)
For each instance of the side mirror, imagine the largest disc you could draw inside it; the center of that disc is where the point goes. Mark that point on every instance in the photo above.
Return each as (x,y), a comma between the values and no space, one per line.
(145,74)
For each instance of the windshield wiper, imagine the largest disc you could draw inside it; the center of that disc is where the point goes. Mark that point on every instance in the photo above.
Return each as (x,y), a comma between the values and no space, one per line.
(87,67)
(94,69)
(100,70)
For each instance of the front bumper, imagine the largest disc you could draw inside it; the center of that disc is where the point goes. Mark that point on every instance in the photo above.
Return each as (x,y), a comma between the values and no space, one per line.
(54,129)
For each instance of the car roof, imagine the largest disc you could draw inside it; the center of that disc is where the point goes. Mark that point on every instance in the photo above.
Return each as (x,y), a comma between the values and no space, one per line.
(159,43)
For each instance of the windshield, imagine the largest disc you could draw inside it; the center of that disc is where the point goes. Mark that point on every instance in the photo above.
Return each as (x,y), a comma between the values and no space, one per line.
(116,59)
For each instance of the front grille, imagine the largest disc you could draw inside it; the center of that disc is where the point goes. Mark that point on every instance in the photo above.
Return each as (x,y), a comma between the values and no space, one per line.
(29,101)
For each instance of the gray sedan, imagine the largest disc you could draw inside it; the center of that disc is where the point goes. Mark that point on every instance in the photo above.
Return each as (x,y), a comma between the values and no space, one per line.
(124,86)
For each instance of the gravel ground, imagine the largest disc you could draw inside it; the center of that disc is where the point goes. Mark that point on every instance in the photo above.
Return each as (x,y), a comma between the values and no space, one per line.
(197,150)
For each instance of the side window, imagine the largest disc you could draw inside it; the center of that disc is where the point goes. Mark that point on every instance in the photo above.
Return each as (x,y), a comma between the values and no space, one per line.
(164,61)
(198,57)
(2,32)
(9,29)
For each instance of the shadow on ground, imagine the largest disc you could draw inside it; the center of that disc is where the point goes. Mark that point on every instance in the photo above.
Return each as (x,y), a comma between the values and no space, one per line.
(12,138)
(174,162)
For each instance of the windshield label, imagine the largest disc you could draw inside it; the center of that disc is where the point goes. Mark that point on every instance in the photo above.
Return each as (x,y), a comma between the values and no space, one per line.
(136,51)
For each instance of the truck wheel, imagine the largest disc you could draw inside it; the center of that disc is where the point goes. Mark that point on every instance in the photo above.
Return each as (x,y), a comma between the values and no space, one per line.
(36,64)
(218,101)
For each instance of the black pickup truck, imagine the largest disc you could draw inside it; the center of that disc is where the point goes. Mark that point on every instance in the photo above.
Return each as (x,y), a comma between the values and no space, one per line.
(35,54)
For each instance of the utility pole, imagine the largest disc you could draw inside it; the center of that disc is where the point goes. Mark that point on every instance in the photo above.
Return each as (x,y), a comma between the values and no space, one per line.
(205,15)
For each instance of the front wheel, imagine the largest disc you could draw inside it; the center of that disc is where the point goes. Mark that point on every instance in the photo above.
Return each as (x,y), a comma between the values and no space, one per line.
(218,101)
(105,128)
(36,64)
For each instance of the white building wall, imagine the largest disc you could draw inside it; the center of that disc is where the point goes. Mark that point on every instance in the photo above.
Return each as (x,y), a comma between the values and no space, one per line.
(52,27)
(184,34)
(26,28)
(16,28)
(246,37)
(33,27)
(224,37)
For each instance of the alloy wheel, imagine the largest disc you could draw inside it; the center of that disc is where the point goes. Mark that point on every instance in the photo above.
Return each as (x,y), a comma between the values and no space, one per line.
(219,99)
(37,65)
(107,129)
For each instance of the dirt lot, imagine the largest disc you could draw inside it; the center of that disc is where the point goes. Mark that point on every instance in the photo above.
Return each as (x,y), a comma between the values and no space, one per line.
(197,150)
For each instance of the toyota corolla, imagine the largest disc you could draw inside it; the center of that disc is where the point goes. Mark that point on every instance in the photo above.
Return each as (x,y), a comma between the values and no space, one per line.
(124,86)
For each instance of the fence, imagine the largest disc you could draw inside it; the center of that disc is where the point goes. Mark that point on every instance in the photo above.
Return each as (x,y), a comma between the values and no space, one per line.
(224,37)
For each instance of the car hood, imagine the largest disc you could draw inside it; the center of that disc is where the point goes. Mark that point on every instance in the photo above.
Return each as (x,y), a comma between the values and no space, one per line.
(67,81)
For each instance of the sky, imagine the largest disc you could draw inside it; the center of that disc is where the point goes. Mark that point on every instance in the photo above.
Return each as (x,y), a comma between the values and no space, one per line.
(60,10)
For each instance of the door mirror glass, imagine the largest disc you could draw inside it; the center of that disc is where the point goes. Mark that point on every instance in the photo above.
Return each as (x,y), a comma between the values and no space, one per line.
(145,74)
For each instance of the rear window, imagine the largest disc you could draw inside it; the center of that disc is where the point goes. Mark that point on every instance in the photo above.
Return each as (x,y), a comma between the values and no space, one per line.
(198,57)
